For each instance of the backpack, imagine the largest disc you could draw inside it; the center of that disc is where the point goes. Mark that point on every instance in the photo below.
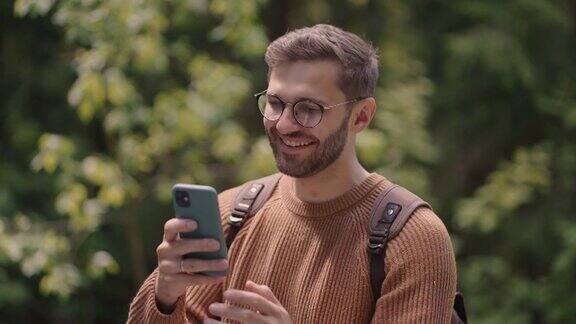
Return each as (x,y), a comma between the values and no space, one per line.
(391,211)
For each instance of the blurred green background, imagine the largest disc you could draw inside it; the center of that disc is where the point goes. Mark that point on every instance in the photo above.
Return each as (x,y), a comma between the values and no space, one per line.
(105,104)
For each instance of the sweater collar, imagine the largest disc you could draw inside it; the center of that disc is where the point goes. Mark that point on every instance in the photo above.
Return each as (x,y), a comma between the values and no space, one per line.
(343,202)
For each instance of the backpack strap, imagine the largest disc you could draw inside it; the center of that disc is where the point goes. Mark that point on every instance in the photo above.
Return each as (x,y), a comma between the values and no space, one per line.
(391,211)
(459,313)
(250,199)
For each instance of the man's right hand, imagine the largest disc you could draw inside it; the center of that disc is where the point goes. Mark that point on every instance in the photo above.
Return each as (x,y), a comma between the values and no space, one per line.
(176,273)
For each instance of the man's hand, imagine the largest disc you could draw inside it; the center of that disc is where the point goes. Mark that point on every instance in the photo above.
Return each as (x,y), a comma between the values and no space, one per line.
(257,304)
(176,273)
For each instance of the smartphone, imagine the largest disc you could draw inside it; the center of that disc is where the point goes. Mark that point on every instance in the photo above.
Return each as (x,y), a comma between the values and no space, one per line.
(200,203)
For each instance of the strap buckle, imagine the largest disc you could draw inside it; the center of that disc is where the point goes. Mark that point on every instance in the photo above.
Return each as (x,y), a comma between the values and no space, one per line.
(377,243)
(375,248)
(239,213)
(243,206)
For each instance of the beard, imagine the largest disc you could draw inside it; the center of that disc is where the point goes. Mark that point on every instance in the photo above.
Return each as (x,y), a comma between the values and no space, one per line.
(325,154)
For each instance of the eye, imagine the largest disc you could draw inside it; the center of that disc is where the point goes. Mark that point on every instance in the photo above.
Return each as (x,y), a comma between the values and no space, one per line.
(274,102)
(309,106)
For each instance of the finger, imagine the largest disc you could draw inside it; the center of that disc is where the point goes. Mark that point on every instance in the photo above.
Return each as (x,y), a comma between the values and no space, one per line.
(189,279)
(251,300)
(191,265)
(198,265)
(262,290)
(235,313)
(211,321)
(175,225)
(198,279)
(185,246)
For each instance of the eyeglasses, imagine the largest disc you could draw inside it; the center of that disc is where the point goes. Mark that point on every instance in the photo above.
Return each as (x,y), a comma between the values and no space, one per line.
(306,112)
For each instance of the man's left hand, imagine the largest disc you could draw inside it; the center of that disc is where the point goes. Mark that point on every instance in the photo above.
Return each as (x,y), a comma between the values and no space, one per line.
(256,304)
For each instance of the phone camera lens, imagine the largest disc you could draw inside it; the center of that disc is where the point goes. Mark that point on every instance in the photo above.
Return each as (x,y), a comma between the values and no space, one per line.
(182,199)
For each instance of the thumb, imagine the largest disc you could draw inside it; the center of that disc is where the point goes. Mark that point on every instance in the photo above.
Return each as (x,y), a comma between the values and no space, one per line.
(262,290)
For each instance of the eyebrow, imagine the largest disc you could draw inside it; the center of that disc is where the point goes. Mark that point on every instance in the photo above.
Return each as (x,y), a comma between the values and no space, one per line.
(316,100)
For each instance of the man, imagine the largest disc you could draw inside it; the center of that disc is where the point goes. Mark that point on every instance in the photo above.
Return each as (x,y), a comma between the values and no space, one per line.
(302,258)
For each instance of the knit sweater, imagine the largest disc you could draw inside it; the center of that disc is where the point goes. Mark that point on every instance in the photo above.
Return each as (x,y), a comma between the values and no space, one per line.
(313,256)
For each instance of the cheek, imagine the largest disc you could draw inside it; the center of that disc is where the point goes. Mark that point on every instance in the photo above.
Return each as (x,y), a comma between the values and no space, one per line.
(324,130)
(267,124)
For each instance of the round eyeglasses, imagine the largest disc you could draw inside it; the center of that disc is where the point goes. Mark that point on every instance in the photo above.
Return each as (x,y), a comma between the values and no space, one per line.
(306,112)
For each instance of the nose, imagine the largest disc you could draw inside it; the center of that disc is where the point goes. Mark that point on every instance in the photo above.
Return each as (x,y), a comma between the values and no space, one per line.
(286,124)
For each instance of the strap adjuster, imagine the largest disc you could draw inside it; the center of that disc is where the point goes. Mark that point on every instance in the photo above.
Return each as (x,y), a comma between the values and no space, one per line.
(375,248)
(239,214)
(377,243)
(242,207)
(236,220)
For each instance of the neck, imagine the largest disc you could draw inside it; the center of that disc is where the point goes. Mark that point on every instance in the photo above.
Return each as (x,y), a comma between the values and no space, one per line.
(332,182)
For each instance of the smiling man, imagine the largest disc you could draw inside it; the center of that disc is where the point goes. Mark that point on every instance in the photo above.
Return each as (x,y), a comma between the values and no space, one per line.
(302,258)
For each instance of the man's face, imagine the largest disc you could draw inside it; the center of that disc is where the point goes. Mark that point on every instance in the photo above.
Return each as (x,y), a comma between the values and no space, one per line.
(302,152)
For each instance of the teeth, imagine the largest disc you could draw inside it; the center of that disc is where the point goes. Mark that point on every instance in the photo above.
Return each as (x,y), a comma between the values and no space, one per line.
(295,144)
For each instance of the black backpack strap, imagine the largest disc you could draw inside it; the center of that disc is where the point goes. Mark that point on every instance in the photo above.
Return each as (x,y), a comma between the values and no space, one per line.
(459,313)
(249,201)
(391,211)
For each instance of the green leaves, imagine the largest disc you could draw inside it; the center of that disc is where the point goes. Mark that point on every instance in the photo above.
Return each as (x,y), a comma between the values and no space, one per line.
(239,27)
(149,54)
(490,54)
(155,110)
(34,7)
(219,85)
(62,280)
(55,151)
(102,263)
(509,297)
(229,143)
(512,185)
(40,252)
(561,102)
(372,147)
(71,200)
(88,94)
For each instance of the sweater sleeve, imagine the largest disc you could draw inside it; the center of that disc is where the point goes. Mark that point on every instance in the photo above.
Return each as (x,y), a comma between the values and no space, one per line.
(420,269)
(193,305)
(144,310)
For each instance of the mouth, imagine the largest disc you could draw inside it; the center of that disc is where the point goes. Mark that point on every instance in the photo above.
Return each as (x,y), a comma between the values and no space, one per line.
(296,143)
(293,144)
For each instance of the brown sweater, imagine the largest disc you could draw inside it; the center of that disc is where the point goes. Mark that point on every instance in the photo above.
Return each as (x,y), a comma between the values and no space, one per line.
(314,258)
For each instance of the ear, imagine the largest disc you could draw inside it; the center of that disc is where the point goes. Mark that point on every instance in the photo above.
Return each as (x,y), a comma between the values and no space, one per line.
(362,114)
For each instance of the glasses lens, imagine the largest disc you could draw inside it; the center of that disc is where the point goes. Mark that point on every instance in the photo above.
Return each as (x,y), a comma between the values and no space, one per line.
(307,113)
(271,108)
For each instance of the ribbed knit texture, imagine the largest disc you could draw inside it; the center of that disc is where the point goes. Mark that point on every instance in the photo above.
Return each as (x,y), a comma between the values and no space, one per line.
(314,258)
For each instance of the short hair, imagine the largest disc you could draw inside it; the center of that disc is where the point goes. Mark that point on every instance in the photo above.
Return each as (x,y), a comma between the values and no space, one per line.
(357,58)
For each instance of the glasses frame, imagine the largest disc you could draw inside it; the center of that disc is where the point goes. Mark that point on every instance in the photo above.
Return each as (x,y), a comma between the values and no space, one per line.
(284,104)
